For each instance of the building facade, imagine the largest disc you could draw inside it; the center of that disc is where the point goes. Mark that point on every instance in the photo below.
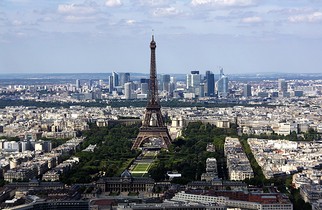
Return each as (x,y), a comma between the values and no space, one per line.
(126,183)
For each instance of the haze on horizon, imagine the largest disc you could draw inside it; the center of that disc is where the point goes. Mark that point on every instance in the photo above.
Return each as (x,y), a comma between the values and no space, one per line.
(84,36)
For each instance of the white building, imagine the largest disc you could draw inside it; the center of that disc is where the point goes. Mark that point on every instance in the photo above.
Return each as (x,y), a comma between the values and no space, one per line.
(128,90)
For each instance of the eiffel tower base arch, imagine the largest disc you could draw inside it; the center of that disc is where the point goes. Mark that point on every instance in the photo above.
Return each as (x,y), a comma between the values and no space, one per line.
(153,132)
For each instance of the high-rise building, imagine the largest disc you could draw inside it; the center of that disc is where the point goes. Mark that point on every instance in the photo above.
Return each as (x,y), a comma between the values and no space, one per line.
(188,81)
(115,79)
(210,84)
(247,90)
(173,80)
(124,78)
(110,84)
(193,82)
(144,88)
(78,84)
(195,79)
(282,87)
(222,85)
(128,90)
(201,90)
(173,85)
(165,82)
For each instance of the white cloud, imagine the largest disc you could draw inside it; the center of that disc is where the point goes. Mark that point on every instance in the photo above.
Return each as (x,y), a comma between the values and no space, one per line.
(154,3)
(292,11)
(166,11)
(79,19)
(76,9)
(130,22)
(223,3)
(310,18)
(113,3)
(254,19)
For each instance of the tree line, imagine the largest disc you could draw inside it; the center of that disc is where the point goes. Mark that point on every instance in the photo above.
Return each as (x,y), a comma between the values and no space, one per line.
(112,154)
(188,154)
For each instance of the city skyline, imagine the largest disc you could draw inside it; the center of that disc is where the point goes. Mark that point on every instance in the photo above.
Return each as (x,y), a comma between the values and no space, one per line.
(101,36)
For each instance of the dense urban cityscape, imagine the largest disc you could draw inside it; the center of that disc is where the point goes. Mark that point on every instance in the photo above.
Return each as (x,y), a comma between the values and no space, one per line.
(268,157)
(160,105)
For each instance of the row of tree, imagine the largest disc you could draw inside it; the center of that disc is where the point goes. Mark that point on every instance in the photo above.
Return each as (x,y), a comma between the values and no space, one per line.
(112,154)
(188,154)
(118,103)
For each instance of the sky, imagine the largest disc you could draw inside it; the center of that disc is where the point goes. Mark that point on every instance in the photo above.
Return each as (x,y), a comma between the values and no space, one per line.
(101,36)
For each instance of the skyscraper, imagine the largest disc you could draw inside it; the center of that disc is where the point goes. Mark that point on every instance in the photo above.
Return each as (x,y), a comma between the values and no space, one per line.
(282,87)
(128,90)
(201,90)
(193,82)
(165,82)
(222,85)
(210,84)
(188,81)
(195,79)
(124,78)
(247,90)
(110,84)
(173,84)
(78,84)
(144,88)
(115,79)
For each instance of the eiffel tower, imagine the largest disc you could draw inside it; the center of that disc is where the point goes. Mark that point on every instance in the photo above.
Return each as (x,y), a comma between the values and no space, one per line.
(153,110)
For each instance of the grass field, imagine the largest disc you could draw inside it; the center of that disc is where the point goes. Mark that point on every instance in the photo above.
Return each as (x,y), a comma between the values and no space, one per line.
(141,167)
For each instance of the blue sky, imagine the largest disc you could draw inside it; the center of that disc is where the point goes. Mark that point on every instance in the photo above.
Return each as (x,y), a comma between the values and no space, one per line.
(242,36)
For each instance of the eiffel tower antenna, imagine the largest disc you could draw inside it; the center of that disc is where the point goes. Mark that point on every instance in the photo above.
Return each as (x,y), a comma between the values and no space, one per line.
(159,130)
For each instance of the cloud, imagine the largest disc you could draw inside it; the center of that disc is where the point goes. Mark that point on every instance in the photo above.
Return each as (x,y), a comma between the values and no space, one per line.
(130,22)
(113,3)
(291,11)
(79,19)
(154,3)
(306,18)
(223,3)
(166,11)
(80,9)
(254,19)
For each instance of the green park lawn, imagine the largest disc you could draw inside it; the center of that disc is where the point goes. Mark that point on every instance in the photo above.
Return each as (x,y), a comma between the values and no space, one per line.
(141,167)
